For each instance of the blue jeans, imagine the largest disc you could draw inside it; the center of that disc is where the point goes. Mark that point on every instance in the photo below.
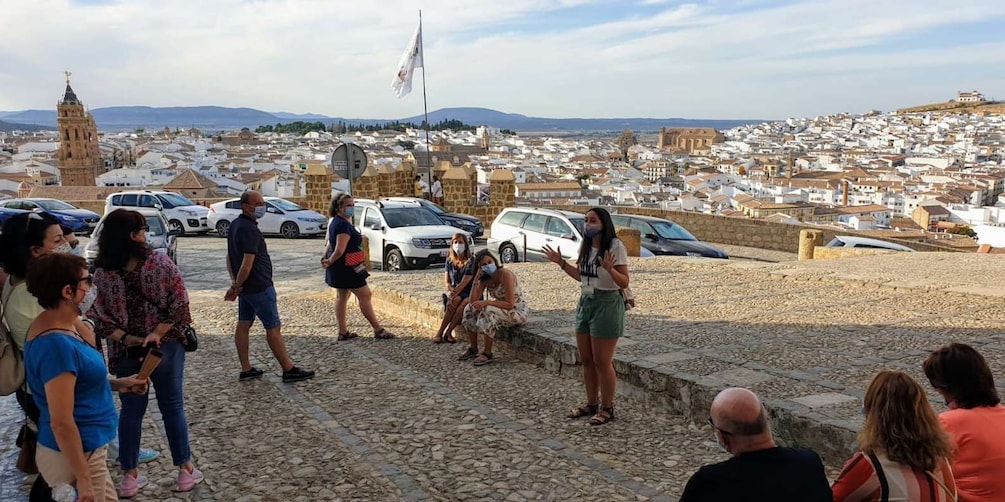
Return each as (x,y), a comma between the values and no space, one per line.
(168,381)
(262,305)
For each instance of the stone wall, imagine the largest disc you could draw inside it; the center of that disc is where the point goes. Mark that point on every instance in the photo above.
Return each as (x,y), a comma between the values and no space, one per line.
(319,188)
(748,232)
(826,253)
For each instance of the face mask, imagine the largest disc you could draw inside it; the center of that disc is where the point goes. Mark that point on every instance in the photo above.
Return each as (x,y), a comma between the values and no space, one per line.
(65,247)
(459,248)
(489,269)
(88,301)
(591,231)
(259,212)
(349,210)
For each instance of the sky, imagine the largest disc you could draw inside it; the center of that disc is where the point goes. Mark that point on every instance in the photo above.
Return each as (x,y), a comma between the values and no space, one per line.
(723,59)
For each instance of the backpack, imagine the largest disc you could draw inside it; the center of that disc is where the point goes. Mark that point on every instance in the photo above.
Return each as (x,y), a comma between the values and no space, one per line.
(11,359)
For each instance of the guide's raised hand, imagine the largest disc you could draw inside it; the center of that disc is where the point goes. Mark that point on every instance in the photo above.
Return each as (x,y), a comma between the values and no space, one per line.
(554,255)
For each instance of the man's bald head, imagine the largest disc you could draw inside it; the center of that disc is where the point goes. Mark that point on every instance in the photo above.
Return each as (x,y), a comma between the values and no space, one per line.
(251,197)
(738,412)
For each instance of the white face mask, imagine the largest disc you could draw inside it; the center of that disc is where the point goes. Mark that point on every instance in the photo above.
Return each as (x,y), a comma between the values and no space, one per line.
(460,247)
(89,297)
(65,247)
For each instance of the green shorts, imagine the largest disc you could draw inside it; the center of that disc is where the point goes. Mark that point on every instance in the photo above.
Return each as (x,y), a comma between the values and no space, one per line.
(601,314)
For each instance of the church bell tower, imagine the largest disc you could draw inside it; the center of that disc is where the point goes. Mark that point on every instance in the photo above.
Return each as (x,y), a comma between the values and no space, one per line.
(79,157)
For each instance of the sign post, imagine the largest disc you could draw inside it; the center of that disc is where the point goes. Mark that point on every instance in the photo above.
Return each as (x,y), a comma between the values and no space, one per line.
(349,161)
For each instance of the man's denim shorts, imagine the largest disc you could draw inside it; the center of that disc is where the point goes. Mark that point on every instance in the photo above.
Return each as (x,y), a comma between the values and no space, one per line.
(262,305)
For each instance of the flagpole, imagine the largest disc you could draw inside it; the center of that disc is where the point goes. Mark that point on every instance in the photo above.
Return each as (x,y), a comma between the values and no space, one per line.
(425,111)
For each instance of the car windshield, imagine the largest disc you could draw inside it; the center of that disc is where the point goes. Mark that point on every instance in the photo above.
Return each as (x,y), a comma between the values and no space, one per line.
(409,217)
(672,231)
(579,223)
(156,225)
(173,200)
(285,205)
(54,205)
(432,206)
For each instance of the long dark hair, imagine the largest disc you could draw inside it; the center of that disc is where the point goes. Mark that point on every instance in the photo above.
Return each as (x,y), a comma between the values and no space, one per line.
(115,243)
(21,233)
(607,236)
(477,263)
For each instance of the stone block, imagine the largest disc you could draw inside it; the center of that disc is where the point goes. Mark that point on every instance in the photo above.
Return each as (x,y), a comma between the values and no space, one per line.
(632,240)
(821,400)
(742,377)
(670,357)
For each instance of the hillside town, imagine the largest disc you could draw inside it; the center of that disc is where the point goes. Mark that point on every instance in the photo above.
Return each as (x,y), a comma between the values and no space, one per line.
(939,175)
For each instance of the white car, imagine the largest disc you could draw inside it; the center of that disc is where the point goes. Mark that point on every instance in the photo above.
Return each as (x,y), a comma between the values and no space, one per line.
(403,234)
(160,237)
(520,234)
(282,217)
(182,214)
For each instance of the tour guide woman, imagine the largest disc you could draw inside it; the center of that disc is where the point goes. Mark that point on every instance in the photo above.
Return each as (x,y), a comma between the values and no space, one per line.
(600,316)
(69,381)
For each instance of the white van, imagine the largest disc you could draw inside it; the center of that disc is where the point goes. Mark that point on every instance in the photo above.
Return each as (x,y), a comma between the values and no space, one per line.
(182,214)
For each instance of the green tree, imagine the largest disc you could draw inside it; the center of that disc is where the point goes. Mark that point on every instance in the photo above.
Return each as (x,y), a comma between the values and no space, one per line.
(963,230)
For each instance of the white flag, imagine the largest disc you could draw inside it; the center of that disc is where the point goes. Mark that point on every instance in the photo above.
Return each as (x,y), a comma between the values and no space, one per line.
(412,59)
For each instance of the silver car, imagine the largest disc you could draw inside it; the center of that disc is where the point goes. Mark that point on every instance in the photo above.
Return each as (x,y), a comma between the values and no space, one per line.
(161,238)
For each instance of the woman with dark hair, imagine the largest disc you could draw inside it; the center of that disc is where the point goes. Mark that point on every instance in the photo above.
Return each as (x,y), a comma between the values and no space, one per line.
(143,303)
(484,317)
(602,270)
(459,278)
(904,451)
(69,381)
(975,420)
(345,270)
(24,238)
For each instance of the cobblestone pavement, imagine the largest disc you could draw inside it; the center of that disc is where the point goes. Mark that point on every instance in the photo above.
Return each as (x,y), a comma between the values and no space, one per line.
(807,334)
(388,420)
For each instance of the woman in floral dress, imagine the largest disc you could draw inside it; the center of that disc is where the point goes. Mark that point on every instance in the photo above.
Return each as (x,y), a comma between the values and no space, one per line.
(484,317)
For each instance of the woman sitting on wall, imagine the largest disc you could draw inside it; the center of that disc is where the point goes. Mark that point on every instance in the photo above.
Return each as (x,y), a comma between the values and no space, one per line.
(459,279)
(485,317)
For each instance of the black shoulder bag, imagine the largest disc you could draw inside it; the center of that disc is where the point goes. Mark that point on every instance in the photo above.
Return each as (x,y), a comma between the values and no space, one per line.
(191,338)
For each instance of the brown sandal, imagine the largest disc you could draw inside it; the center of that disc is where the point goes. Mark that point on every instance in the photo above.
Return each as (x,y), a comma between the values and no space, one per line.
(348,335)
(582,411)
(383,334)
(449,338)
(436,339)
(603,416)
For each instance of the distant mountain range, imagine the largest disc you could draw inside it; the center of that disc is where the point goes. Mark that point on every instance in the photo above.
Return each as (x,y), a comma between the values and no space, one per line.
(13,126)
(125,118)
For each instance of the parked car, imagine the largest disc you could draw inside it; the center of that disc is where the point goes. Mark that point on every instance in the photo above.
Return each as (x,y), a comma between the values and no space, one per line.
(465,222)
(282,217)
(81,221)
(161,238)
(182,214)
(664,237)
(850,241)
(403,234)
(519,234)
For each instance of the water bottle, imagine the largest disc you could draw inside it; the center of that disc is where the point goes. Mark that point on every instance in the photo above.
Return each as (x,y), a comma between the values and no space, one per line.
(64,493)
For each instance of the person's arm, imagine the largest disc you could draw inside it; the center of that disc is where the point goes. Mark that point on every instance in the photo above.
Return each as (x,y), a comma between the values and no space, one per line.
(341,242)
(857,474)
(615,262)
(461,285)
(59,395)
(554,255)
(697,488)
(242,275)
(477,291)
(446,278)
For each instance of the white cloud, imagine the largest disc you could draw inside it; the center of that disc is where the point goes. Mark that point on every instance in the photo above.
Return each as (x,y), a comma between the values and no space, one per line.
(704,59)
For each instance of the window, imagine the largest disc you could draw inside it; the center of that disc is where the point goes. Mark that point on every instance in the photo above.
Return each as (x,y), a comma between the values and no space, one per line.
(116,200)
(513,218)
(620,221)
(557,227)
(372,218)
(129,200)
(643,227)
(147,201)
(234,204)
(535,222)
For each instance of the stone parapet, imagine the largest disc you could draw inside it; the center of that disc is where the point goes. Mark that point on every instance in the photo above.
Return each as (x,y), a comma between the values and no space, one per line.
(318,180)
(366,187)
(632,239)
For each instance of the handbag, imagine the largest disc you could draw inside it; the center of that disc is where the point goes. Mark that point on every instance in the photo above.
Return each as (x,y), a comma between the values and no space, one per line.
(190,339)
(11,359)
(628,297)
(27,440)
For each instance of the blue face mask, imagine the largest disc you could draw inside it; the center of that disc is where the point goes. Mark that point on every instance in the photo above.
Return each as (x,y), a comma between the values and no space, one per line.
(489,269)
(591,231)
(349,210)
(259,212)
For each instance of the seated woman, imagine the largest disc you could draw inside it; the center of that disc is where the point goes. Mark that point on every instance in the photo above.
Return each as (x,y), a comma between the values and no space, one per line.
(904,451)
(485,317)
(975,419)
(459,278)
(69,381)
(143,302)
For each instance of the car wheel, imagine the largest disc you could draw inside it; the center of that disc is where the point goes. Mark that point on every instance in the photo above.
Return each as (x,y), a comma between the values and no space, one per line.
(222,228)
(177,226)
(289,230)
(508,254)
(394,261)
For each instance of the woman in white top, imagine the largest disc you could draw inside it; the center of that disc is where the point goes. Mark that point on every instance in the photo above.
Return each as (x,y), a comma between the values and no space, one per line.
(600,316)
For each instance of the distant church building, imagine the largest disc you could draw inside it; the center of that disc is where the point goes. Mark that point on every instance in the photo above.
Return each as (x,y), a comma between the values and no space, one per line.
(79,155)
(688,140)
(970,97)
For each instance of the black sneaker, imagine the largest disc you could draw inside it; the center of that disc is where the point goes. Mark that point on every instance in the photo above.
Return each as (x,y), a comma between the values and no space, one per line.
(296,374)
(250,374)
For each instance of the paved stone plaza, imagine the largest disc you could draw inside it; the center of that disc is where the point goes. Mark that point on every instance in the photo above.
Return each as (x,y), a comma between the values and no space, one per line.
(402,420)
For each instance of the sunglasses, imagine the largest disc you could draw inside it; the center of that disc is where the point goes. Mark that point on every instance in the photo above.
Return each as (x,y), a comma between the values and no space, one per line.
(145,228)
(89,280)
(710,422)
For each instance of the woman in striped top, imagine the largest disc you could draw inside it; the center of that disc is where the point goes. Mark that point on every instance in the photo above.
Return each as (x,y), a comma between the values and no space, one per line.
(904,450)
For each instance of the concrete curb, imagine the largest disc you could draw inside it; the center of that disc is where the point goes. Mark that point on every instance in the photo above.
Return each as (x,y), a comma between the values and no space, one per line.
(655,385)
